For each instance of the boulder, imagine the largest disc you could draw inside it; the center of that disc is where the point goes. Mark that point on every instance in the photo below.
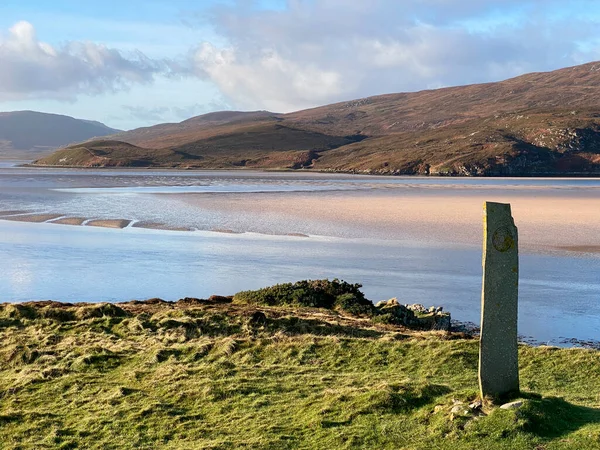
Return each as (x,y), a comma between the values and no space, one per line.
(512,405)
(400,314)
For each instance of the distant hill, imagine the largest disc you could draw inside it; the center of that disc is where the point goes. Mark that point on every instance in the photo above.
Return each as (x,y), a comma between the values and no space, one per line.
(28,134)
(540,123)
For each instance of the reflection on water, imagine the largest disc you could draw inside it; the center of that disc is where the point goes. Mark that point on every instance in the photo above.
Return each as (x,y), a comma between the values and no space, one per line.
(43,261)
(559,295)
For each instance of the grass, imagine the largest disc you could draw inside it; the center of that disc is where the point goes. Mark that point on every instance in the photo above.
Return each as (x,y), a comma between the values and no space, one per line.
(205,375)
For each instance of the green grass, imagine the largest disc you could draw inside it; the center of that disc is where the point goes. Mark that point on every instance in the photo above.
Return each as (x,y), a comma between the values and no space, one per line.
(197,375)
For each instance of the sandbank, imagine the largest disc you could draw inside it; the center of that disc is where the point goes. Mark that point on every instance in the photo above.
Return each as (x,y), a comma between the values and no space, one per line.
(108,223)
(568,222)
(159,226)
(70,220)
(11,212)
(38,218)
(225,230)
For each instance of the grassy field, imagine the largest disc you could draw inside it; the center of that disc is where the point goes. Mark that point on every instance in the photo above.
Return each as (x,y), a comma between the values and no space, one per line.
(210,375)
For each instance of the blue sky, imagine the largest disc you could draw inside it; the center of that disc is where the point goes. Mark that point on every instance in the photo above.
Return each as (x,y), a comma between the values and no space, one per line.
(135,63)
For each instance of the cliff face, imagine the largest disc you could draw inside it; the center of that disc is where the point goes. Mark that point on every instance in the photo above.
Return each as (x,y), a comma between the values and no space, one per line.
(536,124)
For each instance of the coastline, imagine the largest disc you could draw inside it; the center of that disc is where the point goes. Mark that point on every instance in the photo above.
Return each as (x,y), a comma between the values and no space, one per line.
(365,172)
(549,220)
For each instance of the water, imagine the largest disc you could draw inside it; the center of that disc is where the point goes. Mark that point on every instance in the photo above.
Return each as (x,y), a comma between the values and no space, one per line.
(559,293)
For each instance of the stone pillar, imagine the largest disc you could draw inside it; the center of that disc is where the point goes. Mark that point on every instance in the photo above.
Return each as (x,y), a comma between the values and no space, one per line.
(498,352)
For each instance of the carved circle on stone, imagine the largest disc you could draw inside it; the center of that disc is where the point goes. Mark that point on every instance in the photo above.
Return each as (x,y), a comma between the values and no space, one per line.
(503,239)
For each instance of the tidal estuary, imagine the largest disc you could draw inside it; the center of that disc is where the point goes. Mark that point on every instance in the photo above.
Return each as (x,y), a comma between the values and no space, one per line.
(188,233)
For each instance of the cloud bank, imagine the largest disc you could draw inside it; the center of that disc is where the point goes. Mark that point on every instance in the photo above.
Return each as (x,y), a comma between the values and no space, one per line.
(304,53)
(30,68)
(315,52)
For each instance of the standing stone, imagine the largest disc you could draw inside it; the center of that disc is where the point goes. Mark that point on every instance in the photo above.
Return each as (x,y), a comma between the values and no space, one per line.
(498,352)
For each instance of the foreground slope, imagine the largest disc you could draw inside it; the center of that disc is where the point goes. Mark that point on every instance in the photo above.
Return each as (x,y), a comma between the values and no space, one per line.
(207,374)
(535,124)
(28,133)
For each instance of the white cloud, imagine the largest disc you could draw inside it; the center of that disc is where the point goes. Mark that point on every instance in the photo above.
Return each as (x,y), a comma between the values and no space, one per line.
(322,51)
(161,114)
(30,68)
(267,79)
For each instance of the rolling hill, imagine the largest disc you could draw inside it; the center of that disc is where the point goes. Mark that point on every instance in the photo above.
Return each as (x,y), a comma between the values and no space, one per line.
(535,124)
(29,134)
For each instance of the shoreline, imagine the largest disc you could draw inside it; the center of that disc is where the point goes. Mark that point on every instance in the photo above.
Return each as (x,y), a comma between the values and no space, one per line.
(366,172)
(461,329)
(571,249)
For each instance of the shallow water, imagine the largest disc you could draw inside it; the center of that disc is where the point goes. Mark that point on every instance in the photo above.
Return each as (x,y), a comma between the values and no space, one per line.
(559,294)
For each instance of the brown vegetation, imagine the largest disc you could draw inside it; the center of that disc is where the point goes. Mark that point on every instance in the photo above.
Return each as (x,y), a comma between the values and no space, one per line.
(541,123)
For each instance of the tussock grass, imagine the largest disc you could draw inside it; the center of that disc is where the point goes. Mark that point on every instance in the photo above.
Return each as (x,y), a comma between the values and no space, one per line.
(210,376)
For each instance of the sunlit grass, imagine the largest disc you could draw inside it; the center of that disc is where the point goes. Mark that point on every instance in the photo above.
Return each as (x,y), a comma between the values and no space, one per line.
(200,375)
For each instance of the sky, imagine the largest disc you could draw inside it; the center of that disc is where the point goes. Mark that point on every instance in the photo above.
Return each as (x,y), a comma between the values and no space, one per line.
(134,63)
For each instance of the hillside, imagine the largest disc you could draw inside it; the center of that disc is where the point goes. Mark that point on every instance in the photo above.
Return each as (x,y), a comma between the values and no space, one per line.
(552,142)
(259,145)
(28,134)
(224,373)
(540,123)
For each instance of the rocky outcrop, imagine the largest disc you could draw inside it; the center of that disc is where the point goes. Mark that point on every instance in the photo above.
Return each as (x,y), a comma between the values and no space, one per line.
(414,316)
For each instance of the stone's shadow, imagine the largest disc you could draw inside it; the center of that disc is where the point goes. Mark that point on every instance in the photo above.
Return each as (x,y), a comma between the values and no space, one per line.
(297,325)
(405,398)
(553,417)
(335,423)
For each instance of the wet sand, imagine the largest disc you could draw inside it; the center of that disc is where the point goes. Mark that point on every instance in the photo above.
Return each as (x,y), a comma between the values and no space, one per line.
(108,223)
(581,248)
(159,226)
(225,230)
(551,222)
(556,220)
(70,220)
(10,213)
(37,218)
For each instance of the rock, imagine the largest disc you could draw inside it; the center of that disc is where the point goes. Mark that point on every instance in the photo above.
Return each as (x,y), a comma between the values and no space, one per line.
(476,405)
(498,352)
(415,315)
(417,307)
(391,302)
(400,314)
(433,321)
(384,303)
(457,409)
(442,321)
(513,405)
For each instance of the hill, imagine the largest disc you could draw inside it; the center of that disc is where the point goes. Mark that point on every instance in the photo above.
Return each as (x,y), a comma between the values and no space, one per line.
(227,373)
(27,134)
(535,124)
